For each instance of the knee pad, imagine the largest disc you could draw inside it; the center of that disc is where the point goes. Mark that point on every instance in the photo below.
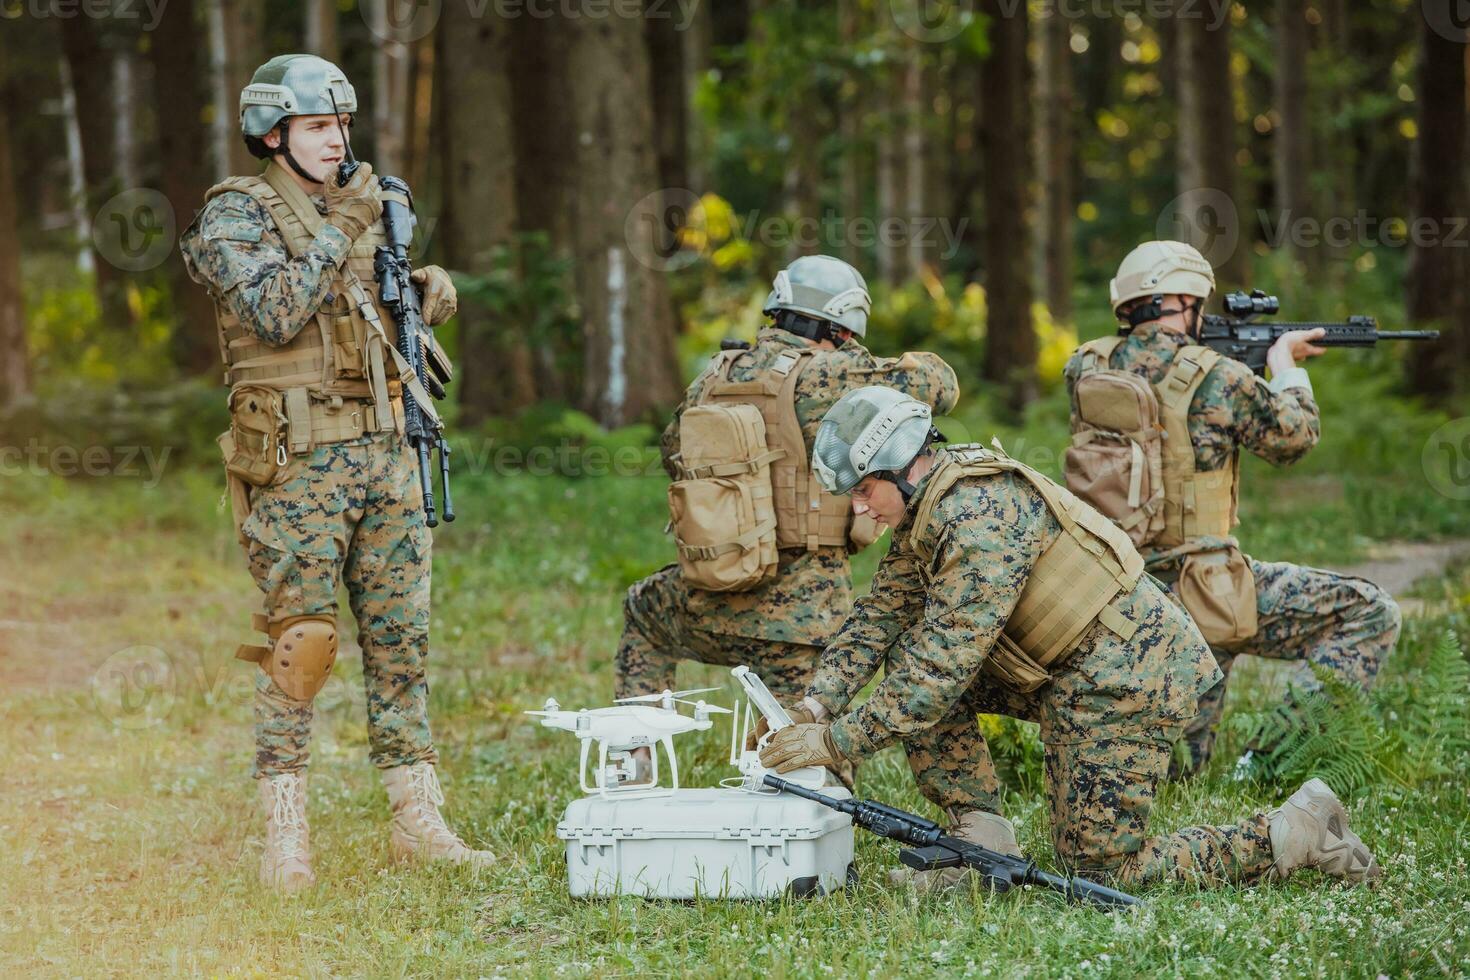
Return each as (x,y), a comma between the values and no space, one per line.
(303,655)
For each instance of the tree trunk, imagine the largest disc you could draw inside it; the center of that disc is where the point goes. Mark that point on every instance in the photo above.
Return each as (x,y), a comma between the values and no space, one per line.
(850,116)
(15,366)
(890,174)
(236,47)
(179,102)
(91,75)
(1010,346)
(420,112)
(631,370)
(1292,136)
(391,77)
(545,167)
(915,155)
(698,42)
(1208,211)
(479,203)
(1055,146)
(125,114)
(321,28)
(1436,294)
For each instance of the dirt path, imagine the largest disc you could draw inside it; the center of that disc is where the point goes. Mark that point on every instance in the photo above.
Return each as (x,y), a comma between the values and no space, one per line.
(1398,565)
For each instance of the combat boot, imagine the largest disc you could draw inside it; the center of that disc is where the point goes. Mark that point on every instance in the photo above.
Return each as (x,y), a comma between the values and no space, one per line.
(286,863)
(1310,830)
(419,831)
(976,826)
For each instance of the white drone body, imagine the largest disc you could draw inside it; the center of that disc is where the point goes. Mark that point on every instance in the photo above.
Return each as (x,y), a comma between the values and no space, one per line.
(623,728)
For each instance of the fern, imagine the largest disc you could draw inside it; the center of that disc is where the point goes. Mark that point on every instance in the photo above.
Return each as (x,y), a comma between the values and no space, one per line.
(1413,728)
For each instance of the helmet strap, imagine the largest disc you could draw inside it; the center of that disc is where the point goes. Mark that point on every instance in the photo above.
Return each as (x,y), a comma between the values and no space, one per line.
(285,150)
(900,478)
(809,327)
(1154,310)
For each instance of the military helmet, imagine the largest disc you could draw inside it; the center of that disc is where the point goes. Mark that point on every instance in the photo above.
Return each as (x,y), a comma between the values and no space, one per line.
(824,287)
(293,85)
(869,431)
(1162,268)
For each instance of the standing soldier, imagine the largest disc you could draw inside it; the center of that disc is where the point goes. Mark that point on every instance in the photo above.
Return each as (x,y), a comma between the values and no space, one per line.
(772,600)
(324,487)
(1002,593)
(1159,423)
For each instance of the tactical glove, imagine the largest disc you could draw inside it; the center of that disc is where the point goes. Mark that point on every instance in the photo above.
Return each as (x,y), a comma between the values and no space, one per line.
(800,715)
(440,300)
(800,746)
(354,207)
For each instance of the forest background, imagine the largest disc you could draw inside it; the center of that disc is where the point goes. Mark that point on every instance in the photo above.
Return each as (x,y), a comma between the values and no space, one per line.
(613,183)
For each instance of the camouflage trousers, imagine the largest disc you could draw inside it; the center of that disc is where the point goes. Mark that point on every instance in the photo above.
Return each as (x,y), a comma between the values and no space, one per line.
(347,513)
(659,631)
(1347,625)
(1109,718)
(1100,794)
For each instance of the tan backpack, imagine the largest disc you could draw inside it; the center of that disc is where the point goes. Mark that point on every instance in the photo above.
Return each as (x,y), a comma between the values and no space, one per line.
(1132,459)
(721,509)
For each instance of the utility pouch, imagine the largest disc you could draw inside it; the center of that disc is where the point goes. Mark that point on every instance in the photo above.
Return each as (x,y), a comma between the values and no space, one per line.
(254,448)
(1219,590)
(349,332)
(236,489)
(1115,462)
(1013,668)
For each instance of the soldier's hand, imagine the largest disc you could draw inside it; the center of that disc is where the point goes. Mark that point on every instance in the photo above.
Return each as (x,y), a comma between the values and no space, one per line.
(440,299)
(800,746)
(800,715)
(1292,347)
(356,206)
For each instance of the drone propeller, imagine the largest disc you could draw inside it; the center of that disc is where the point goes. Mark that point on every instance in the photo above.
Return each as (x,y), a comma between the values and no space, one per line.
(700,705)
(675,695)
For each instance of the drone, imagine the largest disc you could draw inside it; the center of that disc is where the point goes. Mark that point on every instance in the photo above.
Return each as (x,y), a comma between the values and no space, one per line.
(646,721)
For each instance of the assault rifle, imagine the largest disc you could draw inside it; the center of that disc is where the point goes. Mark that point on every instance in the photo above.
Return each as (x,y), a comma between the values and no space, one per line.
(391,267)
(1238,334)
(931,848)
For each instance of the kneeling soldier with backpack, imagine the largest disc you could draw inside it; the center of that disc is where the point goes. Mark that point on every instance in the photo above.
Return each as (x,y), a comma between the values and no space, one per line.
(762,576)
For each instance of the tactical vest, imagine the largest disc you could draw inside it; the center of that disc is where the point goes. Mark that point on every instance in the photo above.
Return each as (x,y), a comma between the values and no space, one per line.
(1075,581)
(339,374)
(1196,503)
(806,515)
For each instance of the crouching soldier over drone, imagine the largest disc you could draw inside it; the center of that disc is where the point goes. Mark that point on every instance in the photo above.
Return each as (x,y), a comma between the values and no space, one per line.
(324,487)
(763,576)
(1002,593)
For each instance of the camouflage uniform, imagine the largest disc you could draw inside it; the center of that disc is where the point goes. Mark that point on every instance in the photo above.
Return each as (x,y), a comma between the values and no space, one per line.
(1345,624)
(779,628)
(1108,717)
(347,511)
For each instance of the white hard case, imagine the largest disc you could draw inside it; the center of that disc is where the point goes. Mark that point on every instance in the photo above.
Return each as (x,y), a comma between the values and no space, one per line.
(715,843)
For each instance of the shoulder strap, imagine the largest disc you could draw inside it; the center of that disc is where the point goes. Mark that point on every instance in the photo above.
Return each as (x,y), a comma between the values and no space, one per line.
(1096,354)
(1176,390)
(959,462)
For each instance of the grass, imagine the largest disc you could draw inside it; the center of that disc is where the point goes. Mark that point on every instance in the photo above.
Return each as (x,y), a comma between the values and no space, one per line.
(129,837)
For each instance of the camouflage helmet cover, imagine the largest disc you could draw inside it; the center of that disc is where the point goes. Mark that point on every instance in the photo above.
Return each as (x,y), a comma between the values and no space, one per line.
(293,85)
(823,287)
(870,430)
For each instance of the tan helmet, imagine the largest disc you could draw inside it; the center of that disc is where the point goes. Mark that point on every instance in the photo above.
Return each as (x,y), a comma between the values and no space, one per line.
(1161,269)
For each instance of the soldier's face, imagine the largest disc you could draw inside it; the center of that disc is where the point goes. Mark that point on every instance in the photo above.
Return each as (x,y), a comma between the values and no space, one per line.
(879,498)
(316,143)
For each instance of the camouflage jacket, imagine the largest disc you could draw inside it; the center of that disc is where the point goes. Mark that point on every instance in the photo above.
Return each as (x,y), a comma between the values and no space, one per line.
(234,250)
(1233,409)
(932,625)
(813,590)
